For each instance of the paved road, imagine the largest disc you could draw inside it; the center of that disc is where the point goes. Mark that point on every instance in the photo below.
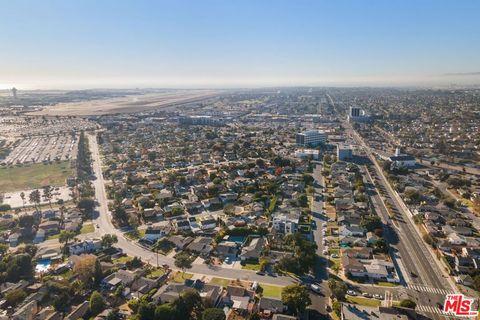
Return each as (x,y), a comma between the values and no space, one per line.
(416,257)
(133,249)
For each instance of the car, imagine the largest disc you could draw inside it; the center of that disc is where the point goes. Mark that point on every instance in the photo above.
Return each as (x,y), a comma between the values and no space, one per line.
(97,225)
(366,295)
(378,296)
(260,273)
(334,255)
(351,293)
(315,288)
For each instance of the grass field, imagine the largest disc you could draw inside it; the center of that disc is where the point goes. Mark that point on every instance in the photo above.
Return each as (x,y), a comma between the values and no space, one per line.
(180,277)
(124,259)
(220,281)
(387,284)
(87,228)
(363,301)
(34,176)
(250,266)
(271,291)
(156,273)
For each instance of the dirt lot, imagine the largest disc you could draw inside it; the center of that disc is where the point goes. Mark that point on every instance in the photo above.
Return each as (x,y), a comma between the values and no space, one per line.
(127,104)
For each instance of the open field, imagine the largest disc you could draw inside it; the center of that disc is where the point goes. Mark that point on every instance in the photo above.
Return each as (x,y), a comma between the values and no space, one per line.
(34,176)
(126,104)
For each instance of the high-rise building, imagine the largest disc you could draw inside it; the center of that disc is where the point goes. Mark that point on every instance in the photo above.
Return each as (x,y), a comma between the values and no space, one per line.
(14,93)
(355,112)
(311,138)
(344,152)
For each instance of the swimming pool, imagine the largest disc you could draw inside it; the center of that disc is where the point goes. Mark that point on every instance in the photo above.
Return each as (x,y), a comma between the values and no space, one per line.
(43,265)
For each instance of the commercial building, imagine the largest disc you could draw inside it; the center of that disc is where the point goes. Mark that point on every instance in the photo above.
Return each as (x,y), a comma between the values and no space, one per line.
(356,114)
(305,154)
(344,152)
(311,138)
(402,160)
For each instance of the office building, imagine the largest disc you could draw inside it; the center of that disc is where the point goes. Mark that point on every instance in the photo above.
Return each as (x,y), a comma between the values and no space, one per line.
(311,138)
(356,114)
(344,152)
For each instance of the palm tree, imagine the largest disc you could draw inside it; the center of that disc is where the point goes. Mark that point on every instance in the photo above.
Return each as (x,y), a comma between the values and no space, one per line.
(65,237)
(35,198)
(22,195)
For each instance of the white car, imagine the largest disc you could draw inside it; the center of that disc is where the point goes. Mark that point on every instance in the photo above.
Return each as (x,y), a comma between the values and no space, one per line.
(378,296)
(351,293)
(315,288)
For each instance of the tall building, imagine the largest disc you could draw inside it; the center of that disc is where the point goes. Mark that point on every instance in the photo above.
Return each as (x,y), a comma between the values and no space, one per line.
(14,93)
(355,112)
(311,138)
(344,152)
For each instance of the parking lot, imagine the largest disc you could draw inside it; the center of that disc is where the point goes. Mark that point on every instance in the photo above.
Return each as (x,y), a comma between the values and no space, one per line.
(43,149)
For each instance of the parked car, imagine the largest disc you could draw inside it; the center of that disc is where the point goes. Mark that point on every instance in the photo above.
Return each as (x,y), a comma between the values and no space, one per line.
(378,296)
(260,273)
(366,295)
(351,293)
(315,288)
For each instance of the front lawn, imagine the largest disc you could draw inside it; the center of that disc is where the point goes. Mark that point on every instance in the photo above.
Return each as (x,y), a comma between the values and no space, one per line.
(220,281)
(122,260)
(156,273)
(251,266)
(363,301)
(271,291)
(136,234)
(387,284)
(180,277)
(87,228)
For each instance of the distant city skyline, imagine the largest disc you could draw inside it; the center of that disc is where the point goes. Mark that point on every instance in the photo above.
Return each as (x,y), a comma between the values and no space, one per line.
(227,44)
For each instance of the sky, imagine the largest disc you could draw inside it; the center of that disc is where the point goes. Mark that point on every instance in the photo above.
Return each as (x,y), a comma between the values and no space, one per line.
(248,43)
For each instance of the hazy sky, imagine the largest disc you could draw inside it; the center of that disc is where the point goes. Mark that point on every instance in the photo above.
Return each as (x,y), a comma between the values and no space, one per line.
(225,43)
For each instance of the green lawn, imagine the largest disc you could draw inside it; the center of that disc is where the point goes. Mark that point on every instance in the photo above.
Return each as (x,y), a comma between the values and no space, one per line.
(124,259)
(271,291)
(34,176)
(55,236)
(156,273)
(87,228)
(387,284)
(135,235)
(251,266)
(220,281)
(180,277)
(363,301)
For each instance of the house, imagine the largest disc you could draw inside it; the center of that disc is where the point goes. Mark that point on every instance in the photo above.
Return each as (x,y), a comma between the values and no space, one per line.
(269,306)
(352,266)
(463,264)
(50,227)
(253,250)
(27,312)
(226,249)
(207,223)
(141,286)
(238,298)
(154,233)
(85,246)
(359,253)
(286,223)
(169,293)
(123,277)
(179,241)
(13,239)
(351,231)
(455,239)
(39,236)
(78,311)
(200,245)
(182,225)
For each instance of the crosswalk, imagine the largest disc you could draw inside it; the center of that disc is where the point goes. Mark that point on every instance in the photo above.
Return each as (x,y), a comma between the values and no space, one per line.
(429,309)
(417,287)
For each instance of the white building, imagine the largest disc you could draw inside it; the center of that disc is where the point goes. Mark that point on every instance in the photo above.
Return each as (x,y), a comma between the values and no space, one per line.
(156,232)
(311,138)
(305,154)
(344,152)
(402,160)
(85,246)
(286,223)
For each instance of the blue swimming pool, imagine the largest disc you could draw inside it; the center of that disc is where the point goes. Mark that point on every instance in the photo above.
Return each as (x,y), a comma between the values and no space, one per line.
(43,265)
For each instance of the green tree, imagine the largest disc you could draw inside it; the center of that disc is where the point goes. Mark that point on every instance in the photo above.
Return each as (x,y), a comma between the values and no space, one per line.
(165,312)
(35,198)
(15,297)
(86,204)
(407,303)
(296,297)
(338,289)
(47,194)
(213,314)
(183,261)
(109,240)
(65,237)
(97,303)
